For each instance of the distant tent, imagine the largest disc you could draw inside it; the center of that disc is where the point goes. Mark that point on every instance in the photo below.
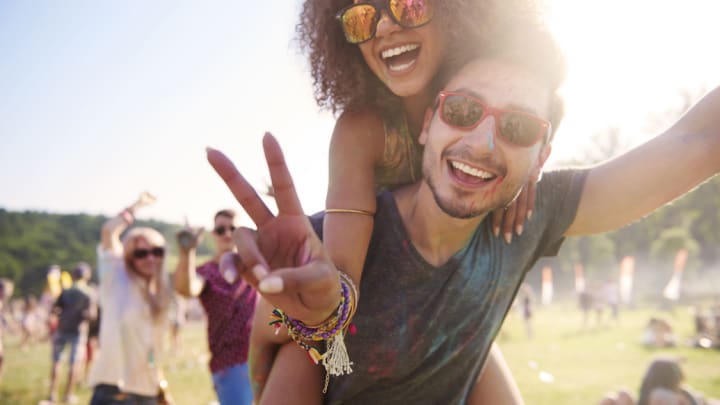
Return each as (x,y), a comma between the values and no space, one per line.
(672,289)
(579,278)
(627,271)
(547,286)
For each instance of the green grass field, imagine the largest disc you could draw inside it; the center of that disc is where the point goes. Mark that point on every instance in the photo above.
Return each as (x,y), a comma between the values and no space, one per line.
(584,364)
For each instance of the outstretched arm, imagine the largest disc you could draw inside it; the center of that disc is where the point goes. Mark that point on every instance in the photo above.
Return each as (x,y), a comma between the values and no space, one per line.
(631,186)
(113,227)
(357,145)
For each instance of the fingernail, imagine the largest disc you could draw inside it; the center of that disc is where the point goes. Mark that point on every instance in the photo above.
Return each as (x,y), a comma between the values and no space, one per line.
(508,237)
(496,231)
(259,272)
(271,285)
(519,229)
(529,214)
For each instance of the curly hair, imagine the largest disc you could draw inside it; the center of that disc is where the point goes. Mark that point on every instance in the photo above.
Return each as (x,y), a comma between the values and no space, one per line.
(342,80)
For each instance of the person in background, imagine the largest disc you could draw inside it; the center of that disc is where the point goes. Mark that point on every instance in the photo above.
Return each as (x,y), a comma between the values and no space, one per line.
(229,303)
(662,384)
(92,345)
(73,309)
(178,317)
(134,294)
(31,321)
(6,290)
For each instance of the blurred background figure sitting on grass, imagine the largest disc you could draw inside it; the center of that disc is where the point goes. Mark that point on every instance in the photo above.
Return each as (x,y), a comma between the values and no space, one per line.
(661,385)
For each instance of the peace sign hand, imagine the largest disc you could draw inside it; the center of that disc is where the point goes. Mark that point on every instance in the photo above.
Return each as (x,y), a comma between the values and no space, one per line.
(284,259)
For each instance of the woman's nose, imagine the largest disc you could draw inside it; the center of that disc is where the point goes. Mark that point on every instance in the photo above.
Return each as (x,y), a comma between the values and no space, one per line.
(386,25)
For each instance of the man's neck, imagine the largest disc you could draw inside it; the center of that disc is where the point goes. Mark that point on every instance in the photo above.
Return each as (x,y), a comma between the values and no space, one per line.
(436,235)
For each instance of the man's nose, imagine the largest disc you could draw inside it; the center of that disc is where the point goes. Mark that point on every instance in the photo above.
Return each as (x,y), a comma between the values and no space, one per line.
(483,136)
(386,25)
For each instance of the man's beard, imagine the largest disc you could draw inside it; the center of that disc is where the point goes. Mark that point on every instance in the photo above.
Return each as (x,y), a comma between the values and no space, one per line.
(451,208)
(454,207)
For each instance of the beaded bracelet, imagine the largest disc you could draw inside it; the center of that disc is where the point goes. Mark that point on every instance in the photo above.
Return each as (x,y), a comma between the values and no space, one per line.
(335,359)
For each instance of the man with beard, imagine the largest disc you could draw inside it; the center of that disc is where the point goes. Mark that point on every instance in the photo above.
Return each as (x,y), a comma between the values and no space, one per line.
(436,284)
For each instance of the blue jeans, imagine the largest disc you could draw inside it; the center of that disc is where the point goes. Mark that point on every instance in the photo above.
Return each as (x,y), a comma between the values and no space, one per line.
(232,385)
(62,339)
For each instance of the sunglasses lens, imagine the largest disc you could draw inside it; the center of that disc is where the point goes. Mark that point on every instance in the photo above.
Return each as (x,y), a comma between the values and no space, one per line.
(461,111)
(158,252)
(220,230)
(411,13)
(358,23)
(143,253)
(520,129)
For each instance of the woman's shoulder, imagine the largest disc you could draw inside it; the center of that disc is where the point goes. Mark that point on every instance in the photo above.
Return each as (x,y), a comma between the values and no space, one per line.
(384,140)
(360,131)
(361,123)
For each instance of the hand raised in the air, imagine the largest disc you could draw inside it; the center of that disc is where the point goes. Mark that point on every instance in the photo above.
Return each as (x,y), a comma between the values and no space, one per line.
(284,259)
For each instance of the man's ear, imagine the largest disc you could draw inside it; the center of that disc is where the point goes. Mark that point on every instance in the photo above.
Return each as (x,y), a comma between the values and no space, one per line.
(542,158)
(426,126)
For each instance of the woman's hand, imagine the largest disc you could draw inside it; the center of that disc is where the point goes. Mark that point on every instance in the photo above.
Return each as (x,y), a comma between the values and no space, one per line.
(189,238)
(512,218)
(145,199)
(284,259)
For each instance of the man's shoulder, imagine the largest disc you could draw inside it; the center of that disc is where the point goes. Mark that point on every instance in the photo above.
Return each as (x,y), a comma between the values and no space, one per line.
(205,270)
(560,184)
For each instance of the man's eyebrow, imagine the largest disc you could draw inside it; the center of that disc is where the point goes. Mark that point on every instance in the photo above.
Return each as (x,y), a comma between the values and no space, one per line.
(512,106)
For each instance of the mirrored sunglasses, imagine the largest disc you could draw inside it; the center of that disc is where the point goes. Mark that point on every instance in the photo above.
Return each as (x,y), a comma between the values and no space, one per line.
(466,112)
(359,20)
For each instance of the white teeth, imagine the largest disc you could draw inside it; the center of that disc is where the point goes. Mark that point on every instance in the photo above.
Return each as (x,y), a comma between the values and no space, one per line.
(398,68)
(388,53)
(472,171)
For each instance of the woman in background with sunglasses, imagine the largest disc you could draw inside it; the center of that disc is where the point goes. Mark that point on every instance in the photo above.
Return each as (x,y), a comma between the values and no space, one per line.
(134,295)
(380,64)
(229,304)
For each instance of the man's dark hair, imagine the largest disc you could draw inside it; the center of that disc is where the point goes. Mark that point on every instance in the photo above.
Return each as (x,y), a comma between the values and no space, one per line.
(533,47)
(227,213)
(81,271)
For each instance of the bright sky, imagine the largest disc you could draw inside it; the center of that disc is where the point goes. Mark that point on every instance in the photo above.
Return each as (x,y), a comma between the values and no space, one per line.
(100,100)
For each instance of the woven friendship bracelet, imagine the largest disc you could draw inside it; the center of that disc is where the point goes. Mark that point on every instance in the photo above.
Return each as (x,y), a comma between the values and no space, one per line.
(335,360)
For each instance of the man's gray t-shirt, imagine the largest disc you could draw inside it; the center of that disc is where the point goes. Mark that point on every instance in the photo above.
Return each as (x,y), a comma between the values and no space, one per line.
(423,332)
(74,304)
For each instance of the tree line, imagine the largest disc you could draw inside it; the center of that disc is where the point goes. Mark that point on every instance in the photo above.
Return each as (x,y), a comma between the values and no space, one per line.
(31,241)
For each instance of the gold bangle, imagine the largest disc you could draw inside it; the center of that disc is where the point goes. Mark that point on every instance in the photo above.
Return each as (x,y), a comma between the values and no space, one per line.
(349,211)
